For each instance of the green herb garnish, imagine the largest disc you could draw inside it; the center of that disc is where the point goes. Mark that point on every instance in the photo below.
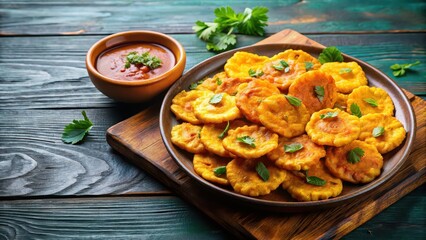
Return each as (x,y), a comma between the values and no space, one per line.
(222,134)
(194,85)
(314,180)
(319,91)
(218,81)
(219,171)
(308,66)
(145,59)
(217,98)
(329,115)
(355,110)
(219,35)
(345,70)
(247,140)
(254,73)
(378,131)
(294,147)
(77,130)
(371,101)
(293,100)
(262,171)
(355,155)
(400,69)
(283,65)
(330,54)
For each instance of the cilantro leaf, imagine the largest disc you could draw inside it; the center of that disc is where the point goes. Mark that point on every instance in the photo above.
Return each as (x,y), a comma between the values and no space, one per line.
(204,30)
(222,134)
(221,42)
(329,115)
(330,54)
(253,21)
(77,130)
(371,101)
(194,85)
(262,171)
(308,66)
(294,147)
(253,73)
(355,110)
(218,81)
(314,180)
(345,70)
(400,69)
(319,91)
(221,170)
(247,140)
(217,98)
(283,65)
(355,155)
(378,131)
(144,58)
(226,17)
(293,100)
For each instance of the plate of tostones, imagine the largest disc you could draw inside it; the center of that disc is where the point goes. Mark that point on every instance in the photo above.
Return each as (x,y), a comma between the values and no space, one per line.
(271,127)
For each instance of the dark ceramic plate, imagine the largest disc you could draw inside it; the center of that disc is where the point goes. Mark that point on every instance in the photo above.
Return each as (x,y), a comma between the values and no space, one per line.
(280,200)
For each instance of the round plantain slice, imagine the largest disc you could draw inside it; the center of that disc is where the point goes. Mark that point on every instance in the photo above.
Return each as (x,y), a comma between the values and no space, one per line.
(211,136)
(333,127)
(249,98)
(297,185)
(277,114)
(382,131)
(211,83)
(186,136)
(297,153)
(348,75)
(250,141)
(371,100)
(216,108)
(205,165)
(241,63)
(245,179)
(283,68)
(231,86)
(342,163)
(316,89)
(182,105)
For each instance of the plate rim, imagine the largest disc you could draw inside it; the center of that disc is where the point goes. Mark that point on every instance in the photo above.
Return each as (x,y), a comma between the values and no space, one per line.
(280,205)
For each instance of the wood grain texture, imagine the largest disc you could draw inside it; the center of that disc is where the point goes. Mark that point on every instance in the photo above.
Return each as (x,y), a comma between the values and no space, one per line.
(245,222)
(105,17)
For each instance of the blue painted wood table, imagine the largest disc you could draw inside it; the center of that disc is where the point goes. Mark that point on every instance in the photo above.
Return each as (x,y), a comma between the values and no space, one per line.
(51,190)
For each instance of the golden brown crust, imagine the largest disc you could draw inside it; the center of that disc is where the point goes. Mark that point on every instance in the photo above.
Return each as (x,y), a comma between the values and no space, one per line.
(348,75)
(186,136)
(205,164)
(182,105)
(360,95)
(225,110)
(241,62)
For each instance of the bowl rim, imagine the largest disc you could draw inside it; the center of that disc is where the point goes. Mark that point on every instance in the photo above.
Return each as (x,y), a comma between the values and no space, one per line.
(92,69)
(295,206)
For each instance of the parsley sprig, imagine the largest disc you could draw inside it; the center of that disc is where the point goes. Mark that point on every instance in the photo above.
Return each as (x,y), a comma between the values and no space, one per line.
(219,34)
(399,70)
(77,130)
(145,59)
(330,54)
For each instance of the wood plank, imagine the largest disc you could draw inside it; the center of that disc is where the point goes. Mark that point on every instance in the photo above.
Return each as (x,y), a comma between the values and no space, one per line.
(41,17)
(35,162)
(165,217)
(45,73)
(333,222)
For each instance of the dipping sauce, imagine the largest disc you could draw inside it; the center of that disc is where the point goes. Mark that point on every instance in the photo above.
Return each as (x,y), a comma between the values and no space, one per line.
(113,63)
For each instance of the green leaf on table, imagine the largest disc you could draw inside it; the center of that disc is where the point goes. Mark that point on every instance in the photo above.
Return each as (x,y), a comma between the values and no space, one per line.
(293,100)
(221,42)
(319,91)
(355,110)
(330,54)
(221,170)
(378,131)
(294,147)
(224,132)
(371,101)
(217,98)
(205,30)
(400,69)
(329,115)
(253,21)
(77,130)
(262,171)
(247,140)
(355,155)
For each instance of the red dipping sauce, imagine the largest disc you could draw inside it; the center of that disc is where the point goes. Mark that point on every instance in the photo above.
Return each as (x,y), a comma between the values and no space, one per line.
(112,62)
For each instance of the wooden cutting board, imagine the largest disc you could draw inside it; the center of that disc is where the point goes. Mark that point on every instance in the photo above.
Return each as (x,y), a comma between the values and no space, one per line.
(138,138)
